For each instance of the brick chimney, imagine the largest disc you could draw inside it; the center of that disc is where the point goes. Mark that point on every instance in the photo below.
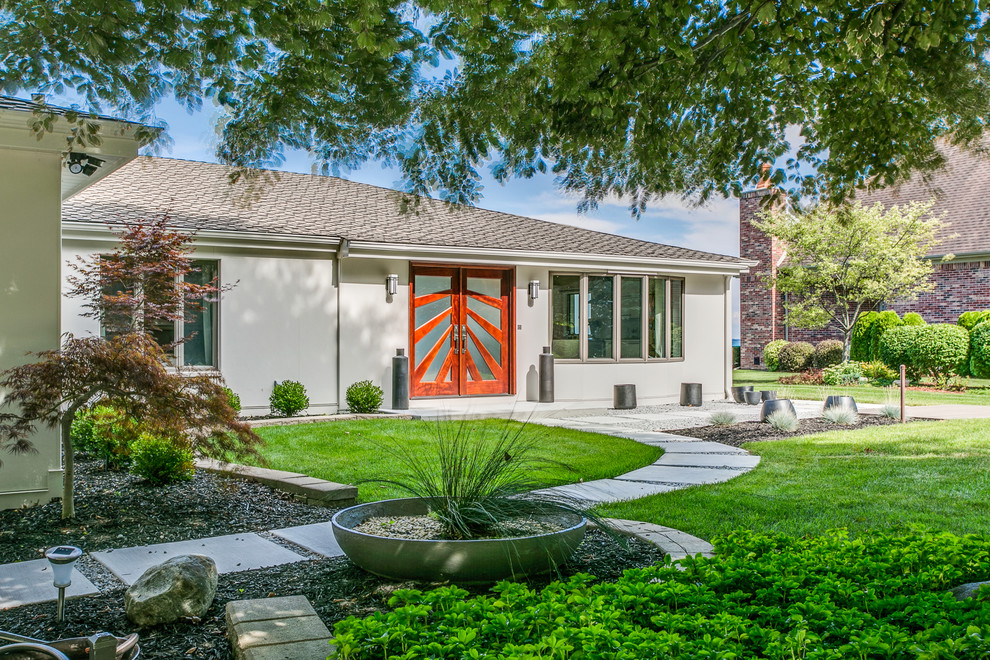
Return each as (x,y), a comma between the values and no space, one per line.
(761,311)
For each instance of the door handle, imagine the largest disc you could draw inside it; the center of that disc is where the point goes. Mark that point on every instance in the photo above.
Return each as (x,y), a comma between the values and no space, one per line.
(464,337)
(455,341)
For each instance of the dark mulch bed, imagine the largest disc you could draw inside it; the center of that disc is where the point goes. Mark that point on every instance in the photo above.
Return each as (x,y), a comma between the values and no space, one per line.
(743,432)
(115,510)
(336,588)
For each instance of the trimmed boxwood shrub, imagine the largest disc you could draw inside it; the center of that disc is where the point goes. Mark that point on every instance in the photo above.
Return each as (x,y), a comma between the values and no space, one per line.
(763,596)
(913,318)
(828,352)
(940,350)
(859,345)
(233,399)
(771,353)
(288,398)
(970,320)
(883,322)
(161,461)
(364,397)
(896,348)
(979,350)
(795,356)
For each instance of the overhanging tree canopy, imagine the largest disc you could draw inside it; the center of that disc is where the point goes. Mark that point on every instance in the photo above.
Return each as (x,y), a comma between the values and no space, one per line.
(619,97)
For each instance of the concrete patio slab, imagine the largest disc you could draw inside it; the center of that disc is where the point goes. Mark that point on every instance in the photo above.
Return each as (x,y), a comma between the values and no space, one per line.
(28,582)
(317,538)
(735,461)
(232,553)
(699,447)
(286,628)
(679,475)
(601,491)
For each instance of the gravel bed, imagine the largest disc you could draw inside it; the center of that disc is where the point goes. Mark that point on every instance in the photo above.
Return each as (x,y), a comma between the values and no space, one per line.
(743,432)
(117,510)
(427,528)
(336,588)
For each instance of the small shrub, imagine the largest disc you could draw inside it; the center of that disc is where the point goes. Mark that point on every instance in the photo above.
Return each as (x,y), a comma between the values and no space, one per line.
(847,373)
(771,353)
(890,411)
(161,461)
(795,356)
(783,420)
(956,384)
(940,350)
(970,320)
(859,346)
(288,398)
(828,352)
(879,374)
(883,322)
(806,377)
(722,418)
(896,348)
(106,433)
(364,397)
(913,318)
(979,350)
(233,399)
(841,416)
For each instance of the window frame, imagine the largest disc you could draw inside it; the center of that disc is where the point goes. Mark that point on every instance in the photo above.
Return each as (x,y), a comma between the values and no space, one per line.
(617,317)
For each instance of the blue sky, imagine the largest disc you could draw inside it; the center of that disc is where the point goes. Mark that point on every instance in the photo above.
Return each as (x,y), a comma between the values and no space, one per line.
(712,228)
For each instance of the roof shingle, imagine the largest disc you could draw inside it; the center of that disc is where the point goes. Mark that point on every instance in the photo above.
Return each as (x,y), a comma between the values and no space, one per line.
(199,195)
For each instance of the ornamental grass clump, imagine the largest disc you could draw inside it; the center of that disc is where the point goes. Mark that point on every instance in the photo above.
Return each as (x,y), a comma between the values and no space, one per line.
(477,481)
(841,416)
(783,420)
(722,418)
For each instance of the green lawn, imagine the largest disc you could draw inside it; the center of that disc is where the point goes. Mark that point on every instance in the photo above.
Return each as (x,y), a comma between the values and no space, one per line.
(347,452)
(887,478)
(977,394)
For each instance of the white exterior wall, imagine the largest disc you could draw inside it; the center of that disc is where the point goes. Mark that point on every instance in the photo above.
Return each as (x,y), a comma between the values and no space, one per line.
(278,322)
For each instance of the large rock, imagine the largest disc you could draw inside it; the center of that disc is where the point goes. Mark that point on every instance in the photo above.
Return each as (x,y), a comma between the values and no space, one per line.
(968,590)
(183,586)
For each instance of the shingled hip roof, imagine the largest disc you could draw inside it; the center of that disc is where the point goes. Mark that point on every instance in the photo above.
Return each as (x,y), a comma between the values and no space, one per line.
(200,195)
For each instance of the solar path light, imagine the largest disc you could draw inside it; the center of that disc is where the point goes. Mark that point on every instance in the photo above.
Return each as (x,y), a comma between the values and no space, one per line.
(62,558)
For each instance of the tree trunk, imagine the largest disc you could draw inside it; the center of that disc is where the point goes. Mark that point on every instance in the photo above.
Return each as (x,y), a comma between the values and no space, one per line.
(68,506)
(846,344)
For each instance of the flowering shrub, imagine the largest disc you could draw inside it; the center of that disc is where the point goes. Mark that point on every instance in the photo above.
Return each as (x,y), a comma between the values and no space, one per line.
(764,596)
(847,373)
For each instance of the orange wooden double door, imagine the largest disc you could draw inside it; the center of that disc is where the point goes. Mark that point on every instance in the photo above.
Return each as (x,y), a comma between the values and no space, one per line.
(461,327)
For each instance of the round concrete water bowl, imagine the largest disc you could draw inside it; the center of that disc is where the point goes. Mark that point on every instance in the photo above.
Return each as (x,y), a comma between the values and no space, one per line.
(841,402)
(691,394)
(739,393)
(768,395)
(752,398)
(471,561)
(772,406)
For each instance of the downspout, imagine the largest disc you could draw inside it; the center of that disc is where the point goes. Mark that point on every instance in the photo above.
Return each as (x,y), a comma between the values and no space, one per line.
(343,249)
(727,353)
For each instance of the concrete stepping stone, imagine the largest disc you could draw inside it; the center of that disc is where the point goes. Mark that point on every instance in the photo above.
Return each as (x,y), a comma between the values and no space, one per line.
(317,538)
(700,447)
(601,491)
(672,541)
(286,628)
(29,582)
(679,475)
(232,553)
(735,461)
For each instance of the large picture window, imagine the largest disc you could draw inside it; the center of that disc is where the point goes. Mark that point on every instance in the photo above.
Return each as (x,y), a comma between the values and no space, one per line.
(616,317)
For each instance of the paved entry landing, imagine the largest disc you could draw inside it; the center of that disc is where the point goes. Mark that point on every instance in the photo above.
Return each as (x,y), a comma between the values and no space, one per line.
(27,582)
(232,553)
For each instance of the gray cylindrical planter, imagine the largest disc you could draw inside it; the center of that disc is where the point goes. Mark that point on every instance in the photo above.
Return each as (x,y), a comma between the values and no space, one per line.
(691,394)
(739,392)
(841,402)
(400,380)
(752,398)
(776,405)
(479,561)
(546,375)
(768,395)
(624,397)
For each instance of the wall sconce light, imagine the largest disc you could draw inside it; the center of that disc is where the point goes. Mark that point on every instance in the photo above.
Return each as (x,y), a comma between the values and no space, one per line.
(534,289)
(392,284)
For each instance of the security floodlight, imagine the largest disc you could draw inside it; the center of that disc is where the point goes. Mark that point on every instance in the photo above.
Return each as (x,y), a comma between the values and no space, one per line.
(83,164)
(62,558)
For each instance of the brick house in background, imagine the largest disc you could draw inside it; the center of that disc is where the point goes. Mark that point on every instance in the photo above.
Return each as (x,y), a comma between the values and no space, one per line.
(961,284)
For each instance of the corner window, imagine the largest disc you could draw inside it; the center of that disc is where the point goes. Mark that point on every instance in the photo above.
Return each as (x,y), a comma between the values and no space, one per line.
(616,317)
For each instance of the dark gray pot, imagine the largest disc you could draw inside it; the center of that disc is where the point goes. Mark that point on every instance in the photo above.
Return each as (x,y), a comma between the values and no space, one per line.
(841,402)
(739,392)
(752,398)
(624,397)
(776,405)
(768,395)
(691,394)
(474,561)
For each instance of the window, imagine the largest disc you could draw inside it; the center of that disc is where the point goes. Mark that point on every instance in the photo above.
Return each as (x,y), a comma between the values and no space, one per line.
(200,325)
(616,317)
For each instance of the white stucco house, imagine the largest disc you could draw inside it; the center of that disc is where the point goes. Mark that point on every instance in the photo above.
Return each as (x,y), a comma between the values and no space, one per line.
(478,293)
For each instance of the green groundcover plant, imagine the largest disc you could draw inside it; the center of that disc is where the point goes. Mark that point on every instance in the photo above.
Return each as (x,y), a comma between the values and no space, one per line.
(765,596)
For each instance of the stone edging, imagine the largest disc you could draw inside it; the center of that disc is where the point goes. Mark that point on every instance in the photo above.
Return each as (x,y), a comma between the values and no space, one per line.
(305,488)
(315,419)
